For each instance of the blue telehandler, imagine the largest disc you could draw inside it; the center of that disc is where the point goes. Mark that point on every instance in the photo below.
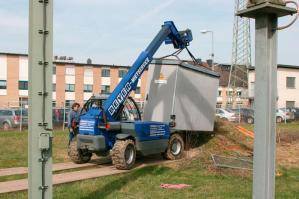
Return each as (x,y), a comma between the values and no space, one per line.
(113,125)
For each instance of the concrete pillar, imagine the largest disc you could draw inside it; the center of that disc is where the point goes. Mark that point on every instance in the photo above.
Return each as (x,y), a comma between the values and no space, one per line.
(265,13)
(40,98)
(265,107)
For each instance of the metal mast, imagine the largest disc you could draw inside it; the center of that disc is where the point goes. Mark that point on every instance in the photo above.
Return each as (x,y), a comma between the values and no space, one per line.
(241,54)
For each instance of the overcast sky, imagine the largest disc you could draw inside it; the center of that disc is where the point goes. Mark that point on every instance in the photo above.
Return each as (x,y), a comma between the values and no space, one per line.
(116,31)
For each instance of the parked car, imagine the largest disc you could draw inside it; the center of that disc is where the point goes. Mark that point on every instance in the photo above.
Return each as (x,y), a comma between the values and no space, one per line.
(245,114)
(11,118)
(283,114)
(226,114)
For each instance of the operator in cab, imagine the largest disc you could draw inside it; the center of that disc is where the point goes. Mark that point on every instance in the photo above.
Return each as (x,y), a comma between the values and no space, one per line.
(73,121)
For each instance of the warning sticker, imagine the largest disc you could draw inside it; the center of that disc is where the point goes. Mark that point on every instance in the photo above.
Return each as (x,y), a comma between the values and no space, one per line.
(161,79)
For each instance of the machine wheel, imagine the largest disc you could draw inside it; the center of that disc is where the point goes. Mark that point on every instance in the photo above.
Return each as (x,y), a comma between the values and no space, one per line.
(6,126)
(278,119)
(175,149)
(124,154)
(250,120)
(78,156)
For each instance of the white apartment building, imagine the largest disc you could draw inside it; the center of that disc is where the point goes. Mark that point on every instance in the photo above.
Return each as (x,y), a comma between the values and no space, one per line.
(287,86)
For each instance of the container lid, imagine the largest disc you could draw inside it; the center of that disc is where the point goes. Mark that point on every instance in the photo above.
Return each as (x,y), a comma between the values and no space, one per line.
(186,65)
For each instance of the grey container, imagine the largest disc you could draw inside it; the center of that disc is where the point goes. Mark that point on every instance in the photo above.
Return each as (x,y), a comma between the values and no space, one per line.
(178,88)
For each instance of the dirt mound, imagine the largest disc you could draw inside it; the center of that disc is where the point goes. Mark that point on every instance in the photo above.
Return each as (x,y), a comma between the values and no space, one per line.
(227,141)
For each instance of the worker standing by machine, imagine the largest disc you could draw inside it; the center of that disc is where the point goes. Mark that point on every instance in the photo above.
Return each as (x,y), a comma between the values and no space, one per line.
(73,121)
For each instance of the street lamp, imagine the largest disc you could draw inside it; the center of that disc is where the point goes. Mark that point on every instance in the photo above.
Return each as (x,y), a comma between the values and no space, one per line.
(212,54)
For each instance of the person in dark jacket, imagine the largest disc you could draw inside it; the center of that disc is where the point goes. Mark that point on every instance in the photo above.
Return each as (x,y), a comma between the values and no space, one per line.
(73,121)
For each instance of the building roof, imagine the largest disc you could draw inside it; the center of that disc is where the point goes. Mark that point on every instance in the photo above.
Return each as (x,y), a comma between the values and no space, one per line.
(222,69)
(69,62)
(281,66)
(85,64)
(14,54)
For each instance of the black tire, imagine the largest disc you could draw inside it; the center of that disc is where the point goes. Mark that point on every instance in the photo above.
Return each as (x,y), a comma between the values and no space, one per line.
(6,126)
(250,120)
(278,119)
(124,154)
(175,148)
(78,156)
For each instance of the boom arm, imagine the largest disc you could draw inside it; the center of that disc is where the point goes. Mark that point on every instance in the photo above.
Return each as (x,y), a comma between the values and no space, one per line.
(168,34)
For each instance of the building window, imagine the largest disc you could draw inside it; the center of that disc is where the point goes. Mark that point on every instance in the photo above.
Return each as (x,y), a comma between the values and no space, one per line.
(291,82)
(70,71)
(70,88)
(229,93)
(122,73)
(105,72)
(137,91)
(23,85)
(69,103)
(88,72)
(53,103)
(54,69)
(88,88)
(105,89)
(290,104)
(219,93)
(54,87)
(218,105)
(2,84)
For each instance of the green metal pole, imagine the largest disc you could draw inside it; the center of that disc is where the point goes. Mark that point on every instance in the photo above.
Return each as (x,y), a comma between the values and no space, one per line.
(40,99)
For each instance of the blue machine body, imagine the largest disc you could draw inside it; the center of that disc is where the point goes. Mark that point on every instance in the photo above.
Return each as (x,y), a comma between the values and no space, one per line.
(91,121)
(147,131)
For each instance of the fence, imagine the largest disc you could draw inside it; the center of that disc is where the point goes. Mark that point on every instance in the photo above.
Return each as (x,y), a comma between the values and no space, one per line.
(14,115)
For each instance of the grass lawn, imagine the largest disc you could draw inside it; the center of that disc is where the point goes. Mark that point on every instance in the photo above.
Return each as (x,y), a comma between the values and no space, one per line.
(290,127)
(145,183)
(13,152)
(205,180)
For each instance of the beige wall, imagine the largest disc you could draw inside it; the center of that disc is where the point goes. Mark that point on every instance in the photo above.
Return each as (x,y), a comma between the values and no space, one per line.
(79,84)
(222,100)
(96,80)
(11,99)
(13,64)
(114,78)
(284,93)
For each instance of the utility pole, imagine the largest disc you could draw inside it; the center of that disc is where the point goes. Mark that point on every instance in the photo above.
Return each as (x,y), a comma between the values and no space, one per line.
(265,13)
(40,99)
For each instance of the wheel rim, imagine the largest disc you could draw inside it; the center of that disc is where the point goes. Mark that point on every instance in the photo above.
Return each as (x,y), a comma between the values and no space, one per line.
(5,126)
(176,147)
(129,154)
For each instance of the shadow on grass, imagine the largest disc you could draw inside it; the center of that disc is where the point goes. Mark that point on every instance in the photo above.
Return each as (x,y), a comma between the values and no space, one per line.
(120,182)
(196,139)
